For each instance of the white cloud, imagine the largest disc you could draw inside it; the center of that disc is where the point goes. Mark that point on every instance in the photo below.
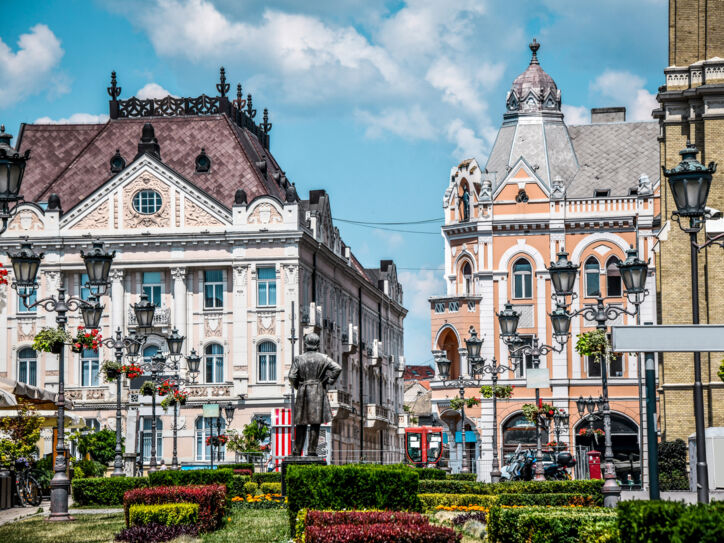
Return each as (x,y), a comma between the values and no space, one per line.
(393,240)
(418,286)
(76,118)
(411,124)
(576,114)
(467,144)
(30,70)
(152,90)
(628,90)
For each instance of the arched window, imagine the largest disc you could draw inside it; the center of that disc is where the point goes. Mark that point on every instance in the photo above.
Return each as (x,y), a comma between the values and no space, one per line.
(89,368)
(149,352)
(593,277)
(522,279)
(214,363)
(27,366)
(204,428)
(147,432)
(518,430)
(467,278)
(613,277)
(267,358)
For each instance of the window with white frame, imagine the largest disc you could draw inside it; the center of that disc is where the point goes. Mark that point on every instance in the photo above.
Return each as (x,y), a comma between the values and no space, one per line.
(84,292)
(522,279)
(89,368)
(439,307)
(147,434)
(613,277)
(93,425)
(205,428)
(527,360)
(214,354)
(467,278)
(454,307)
(213,289)
(152,287)
(267,361)
(266,287)
(593,277)
(24,303)
(28,366)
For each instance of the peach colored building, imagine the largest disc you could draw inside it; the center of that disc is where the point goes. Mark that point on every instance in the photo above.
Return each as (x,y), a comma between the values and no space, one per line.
(205,222)
(592,190)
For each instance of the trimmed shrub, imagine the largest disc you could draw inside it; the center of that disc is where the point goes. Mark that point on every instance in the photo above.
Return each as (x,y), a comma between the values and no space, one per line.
(461,476)
(239,465)
(602,530)
(245,472)
(251,488)
(156,533)
(191,477)
(238,483)
(104,490)
(351,486)
(168,514)
(211,500)
(268,477)
(550,500)
(586,487)
(541,524)
(660,521)
(672,465)
(271,488)
(431,473)
(85,469)
(701,523)
(430,502)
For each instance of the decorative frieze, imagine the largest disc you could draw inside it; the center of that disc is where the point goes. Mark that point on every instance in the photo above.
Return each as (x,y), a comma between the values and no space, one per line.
(133,219)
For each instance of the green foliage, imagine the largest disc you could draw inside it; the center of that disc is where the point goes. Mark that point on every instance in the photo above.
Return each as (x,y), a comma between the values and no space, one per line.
(50,340)
(84,469)
(584,487)
(351,486)
(250,438)
(672,465)
(168,514)
(193,477)
(501,391)
(168,401)
(104,490)
(269,477)
(111,370)
(542,524)
(147,389)
(43,472)
(553,500)
(100,445)
(431,501)
(664,522)
(431,473)
(21,435)
(593,343)
(271,488)
(599,530)
(238,482)
(252,488)
(720,373)
(461,476)
(240,465)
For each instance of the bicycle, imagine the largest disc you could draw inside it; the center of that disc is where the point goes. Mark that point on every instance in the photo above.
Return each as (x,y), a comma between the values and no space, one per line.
(27,486)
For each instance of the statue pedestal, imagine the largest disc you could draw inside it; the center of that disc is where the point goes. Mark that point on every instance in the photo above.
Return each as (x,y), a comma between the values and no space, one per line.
(299,461)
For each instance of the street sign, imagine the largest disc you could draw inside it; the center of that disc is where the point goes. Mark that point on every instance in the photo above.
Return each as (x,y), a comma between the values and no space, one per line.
(211,410)
(685,338)
(537,378)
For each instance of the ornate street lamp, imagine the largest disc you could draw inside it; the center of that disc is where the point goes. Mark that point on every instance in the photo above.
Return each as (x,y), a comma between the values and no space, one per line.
(92,311)
(690,181)
(508,320)
(12,167)
(229,409)
(193,361)
(144,311)
(563,275)
(174,342)
(98,265)
(25,267)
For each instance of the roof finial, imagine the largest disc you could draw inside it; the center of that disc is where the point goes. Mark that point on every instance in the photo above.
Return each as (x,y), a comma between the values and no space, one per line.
(250,111)
(114,91)
(266,125)
(222,86)
(534,46)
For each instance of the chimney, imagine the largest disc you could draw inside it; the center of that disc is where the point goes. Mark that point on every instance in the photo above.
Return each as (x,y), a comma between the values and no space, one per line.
(608,115)
(149,143)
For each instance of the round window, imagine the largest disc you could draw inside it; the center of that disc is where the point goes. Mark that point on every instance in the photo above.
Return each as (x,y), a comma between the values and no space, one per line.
(147,202)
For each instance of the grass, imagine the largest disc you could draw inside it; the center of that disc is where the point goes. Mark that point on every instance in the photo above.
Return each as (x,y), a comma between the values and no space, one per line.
(252,526)
(86,529)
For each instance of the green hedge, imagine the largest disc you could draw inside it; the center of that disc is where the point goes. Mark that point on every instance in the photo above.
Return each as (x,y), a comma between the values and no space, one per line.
(663,522)
(192,477)
(168,514)
(238,484)
(552,499)
(271,488)
(672,465)
(104,490)
(547,524)
(431,473)
(586,487)
(241,465)
(250,488)
(461,476)
(351,486)
(431,501)
(269,477)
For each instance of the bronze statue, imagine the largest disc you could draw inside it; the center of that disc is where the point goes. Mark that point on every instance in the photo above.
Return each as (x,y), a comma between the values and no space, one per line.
(311,374)
(466,204)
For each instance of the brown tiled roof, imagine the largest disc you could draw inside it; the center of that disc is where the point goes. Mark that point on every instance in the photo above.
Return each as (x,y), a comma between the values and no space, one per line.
(418,373)
(73,160)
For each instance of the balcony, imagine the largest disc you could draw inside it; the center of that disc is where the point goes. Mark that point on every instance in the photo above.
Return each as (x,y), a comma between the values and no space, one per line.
(350,338)
(161,317)
(341,403)
(378,416)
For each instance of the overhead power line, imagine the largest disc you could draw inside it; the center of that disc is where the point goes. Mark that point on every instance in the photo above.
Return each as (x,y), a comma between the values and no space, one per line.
(424,221)
(397,229)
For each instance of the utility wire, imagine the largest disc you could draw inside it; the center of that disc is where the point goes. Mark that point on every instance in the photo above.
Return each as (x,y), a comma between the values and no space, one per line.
(424,221)
(397,229)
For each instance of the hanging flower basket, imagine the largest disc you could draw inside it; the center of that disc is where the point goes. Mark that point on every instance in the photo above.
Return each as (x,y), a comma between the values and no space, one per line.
(167,387)
(456,404)
(51,340)
(587,432)
(3,275)
(501,391)
(543,410)
(180,396)
(168,401)
(217,441)
(147,389)
(132,370)
(86,340)
(111,370)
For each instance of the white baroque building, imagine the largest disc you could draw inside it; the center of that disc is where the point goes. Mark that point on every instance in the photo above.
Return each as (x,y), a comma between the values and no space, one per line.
(204,221)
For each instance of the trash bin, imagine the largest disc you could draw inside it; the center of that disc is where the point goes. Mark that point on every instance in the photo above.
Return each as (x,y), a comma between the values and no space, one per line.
(6,490)
(594,464)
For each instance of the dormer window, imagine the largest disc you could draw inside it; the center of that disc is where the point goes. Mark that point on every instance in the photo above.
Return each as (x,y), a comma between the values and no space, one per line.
(602,193)
(203,162)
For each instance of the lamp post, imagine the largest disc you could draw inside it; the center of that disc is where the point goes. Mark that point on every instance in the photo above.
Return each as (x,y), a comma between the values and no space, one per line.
(563,277)
(690,181)
(12,167)
(560,421)
(26,263)
(508,320)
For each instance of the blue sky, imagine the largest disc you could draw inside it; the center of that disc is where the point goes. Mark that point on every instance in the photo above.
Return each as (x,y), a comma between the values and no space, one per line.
(373,101)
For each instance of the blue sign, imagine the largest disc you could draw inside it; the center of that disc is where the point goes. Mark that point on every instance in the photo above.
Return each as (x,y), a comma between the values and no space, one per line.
(470,437)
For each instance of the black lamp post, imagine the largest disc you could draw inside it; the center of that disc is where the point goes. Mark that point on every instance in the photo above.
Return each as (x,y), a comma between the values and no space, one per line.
(12,167)
(25,264)
(690,181)
(563,277)
(560,421)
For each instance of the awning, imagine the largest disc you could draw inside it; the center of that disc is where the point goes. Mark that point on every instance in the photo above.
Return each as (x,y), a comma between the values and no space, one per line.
(41,398)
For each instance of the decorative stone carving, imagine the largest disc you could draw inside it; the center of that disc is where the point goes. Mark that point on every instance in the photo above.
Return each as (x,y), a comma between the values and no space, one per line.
(115,275)
(290,273)
(96,219)
(266,323)
(558,189)
(486,192)
(240,277)
(26,221)
(265,213)
(644,187)
(95,393)
(178,274)
(74,394)
(52,280)
(212,327)
(133,219)
(195,216)
(26,330)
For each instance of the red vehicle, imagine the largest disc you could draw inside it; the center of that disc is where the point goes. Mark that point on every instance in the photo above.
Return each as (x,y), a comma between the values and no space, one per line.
(423,445)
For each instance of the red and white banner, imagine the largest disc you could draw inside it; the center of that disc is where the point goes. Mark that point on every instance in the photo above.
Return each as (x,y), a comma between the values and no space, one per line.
(281,435)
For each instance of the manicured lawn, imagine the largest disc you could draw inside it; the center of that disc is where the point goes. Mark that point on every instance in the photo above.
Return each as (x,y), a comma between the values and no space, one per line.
(253,526)
(85,529)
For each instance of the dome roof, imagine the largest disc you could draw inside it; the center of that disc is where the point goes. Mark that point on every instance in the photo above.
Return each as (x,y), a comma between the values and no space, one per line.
(534,90)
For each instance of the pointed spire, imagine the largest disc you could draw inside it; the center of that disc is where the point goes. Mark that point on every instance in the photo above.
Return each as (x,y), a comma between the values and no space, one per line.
(266,125)
(534,46)
(222,86)
(114,91)
(250,111)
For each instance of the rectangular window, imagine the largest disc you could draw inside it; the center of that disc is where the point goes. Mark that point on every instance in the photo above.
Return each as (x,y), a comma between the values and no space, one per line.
(147,433)
(439,307)
(89,368)
(267,362)
(213,289)
(471,307)
(522,286)
(152,287)
(601,193)
(84,291)
(593,366)
(266,286)
(615,365)
(593,285)
(24,303)
(527,359)
(454,307)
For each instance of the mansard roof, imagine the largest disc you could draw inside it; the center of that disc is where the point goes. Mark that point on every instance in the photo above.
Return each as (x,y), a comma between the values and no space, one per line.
(72,160)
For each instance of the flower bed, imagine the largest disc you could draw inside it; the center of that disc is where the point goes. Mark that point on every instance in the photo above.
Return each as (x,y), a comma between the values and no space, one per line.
(431,502)
(260,501)
(168,514)
(210,498)
(156,533)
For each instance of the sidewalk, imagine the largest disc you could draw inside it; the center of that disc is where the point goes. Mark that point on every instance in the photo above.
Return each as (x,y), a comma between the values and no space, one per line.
(17,513)
(679,496)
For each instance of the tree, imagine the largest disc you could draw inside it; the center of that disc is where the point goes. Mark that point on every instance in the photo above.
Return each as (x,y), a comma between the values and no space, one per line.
(100,445)
(250,439)
(21,434)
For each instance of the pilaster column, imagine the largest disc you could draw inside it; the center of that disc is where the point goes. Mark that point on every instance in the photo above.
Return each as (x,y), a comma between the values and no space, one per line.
(179,300)
(117,299)
(239,347)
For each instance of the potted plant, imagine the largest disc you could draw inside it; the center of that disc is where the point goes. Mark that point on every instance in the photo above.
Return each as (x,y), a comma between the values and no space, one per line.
(501,391)
(111,369)
(147,389)
(51,340)
(457,403)
(86,340)
(3,275)
(217,441)
(132,370)
(472,402)
(168,401)
(166,388)
(532,412)
(180,396)
(588,432)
